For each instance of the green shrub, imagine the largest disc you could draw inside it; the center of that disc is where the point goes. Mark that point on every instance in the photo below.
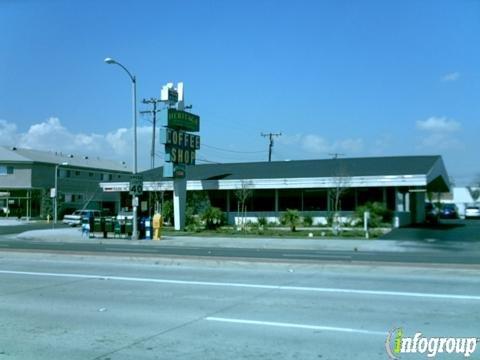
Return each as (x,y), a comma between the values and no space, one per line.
(290,218)
(262,222)
(308,220)
(212,217)
(167,212)
(379,214)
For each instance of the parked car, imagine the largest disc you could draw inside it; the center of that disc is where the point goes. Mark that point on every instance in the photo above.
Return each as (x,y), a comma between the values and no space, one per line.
(77,216)
(431,213)
(449,211)
(472,212)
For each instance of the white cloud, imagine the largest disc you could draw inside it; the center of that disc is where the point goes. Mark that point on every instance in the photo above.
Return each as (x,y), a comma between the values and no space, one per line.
(315,144)
(439,133)
(440,141)
(454,76)
(318,145)
(8,133)
(438,124)
(51,135)
(290,139)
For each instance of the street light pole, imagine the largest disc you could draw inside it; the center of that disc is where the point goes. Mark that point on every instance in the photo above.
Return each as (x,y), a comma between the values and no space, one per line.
(134,171)
(55,216)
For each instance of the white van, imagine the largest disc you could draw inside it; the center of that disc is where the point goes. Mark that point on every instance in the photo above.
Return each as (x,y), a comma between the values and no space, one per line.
(77,216)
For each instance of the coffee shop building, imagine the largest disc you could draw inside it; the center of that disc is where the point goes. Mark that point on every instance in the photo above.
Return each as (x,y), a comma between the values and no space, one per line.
(399,182)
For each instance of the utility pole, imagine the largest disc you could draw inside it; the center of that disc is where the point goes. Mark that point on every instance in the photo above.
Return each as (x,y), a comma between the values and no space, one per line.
(270,146)
(154,111)
(335,155)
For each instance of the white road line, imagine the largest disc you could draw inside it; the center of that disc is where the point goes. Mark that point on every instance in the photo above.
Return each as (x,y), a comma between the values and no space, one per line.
(251,286)
(129,250)
(318,256)
(297,326)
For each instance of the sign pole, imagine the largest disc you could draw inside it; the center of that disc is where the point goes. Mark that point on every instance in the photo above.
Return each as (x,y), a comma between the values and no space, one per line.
(180,146)
(179,202)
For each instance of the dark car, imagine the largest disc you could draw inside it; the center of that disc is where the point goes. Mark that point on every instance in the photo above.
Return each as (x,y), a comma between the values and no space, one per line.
(431,213)
(449,211)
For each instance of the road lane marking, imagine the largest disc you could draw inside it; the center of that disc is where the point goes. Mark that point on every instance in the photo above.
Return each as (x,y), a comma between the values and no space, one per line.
(129,250)
(297,326)
(252,286)
(319,256)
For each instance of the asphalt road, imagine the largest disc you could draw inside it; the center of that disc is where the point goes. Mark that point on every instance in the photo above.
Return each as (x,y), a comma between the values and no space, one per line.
(114,308)
(449,256)
(452,242)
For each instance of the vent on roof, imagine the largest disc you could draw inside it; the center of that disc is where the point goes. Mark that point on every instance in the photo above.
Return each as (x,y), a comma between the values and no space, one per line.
(85,157)
(14,148)
(70,155)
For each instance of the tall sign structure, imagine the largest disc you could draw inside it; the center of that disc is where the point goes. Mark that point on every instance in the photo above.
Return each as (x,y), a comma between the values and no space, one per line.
(180,146)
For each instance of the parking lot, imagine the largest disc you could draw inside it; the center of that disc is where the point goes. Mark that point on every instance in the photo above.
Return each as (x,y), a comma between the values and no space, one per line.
(446,231)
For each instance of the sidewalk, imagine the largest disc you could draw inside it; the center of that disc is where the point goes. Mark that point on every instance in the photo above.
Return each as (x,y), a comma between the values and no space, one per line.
(11,221)
(74,235)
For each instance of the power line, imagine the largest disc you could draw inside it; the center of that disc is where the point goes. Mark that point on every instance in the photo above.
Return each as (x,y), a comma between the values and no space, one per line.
(227,156)
(270,146)
(208,161)
(233,151)
(335,155)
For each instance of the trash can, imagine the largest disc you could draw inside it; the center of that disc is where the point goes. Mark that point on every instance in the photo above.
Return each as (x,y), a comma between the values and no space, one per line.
(97,226)
(117,228)
(128,227)
(107,226)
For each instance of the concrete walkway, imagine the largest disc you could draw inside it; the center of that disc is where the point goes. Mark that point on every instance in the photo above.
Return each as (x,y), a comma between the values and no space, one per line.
(74,235)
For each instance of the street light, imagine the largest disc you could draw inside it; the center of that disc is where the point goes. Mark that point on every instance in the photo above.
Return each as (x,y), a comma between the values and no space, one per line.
(56,190)
(109,60)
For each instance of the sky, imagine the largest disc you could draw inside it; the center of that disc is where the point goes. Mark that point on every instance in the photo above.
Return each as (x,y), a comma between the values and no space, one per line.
(354,78)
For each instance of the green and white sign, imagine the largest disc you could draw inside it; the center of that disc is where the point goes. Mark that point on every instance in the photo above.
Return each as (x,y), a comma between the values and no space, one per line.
(136,185)
(180,120)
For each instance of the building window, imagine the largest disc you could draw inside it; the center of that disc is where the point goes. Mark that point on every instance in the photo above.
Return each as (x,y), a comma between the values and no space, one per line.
(346,200)
(6,170)
(218,199)
(263,200)
(63,173)
(315,200)
(369,195)
(290,199)
(77,173)
(90,174)
(106,177)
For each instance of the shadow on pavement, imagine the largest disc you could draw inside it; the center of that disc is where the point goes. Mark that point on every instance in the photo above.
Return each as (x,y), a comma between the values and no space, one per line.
(446,231)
